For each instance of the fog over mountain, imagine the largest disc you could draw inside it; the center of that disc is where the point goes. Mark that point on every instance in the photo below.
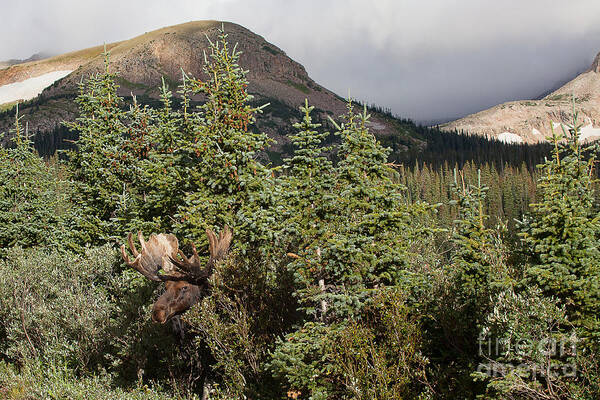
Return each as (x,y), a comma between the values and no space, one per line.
(430,61)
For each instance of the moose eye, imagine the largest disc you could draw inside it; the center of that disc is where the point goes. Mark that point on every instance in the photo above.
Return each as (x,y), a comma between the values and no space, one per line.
(185,288)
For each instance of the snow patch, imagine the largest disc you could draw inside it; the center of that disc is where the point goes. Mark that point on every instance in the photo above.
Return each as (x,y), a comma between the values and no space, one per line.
(509,137)
(588,131)
(30,88)
(535,132)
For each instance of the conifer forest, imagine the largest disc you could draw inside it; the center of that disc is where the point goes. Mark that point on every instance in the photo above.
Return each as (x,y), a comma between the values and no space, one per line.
(352,267)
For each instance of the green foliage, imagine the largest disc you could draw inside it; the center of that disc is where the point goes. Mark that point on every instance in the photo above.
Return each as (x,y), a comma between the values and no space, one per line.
(101,166)
(529,351)
(298,86)
(247,308)
(548,332)
(367,352)
(80,314)
(302,360)
(54,381)
(171,169)
(562,232)
(510,190)
(340,283)
(227,179)
(359,358)
(341,224)
(346,217)
(33,199)
(57,306)
(479,259)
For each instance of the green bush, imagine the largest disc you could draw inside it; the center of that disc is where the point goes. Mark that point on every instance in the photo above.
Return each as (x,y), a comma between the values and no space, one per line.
(55,381)
(247,308)
(377,355)
(82,313)
(57,305)
(529,349)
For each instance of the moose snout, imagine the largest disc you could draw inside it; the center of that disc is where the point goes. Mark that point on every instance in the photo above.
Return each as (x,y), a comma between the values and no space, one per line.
(159,315)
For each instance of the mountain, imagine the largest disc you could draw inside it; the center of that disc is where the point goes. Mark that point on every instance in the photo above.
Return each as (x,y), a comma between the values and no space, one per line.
(143,61)
(35,57)
(529,121)
(50,86)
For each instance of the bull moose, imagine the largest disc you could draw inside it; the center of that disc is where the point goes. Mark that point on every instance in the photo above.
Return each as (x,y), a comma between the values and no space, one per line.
(186,279)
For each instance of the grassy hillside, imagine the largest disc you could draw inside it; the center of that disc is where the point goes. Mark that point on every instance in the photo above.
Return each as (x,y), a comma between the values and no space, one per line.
(143,62)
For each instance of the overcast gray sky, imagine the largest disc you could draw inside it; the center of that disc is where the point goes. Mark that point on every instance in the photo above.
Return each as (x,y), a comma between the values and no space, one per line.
(429,60)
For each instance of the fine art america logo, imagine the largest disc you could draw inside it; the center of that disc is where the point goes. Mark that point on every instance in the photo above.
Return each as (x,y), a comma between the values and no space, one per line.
(544,358)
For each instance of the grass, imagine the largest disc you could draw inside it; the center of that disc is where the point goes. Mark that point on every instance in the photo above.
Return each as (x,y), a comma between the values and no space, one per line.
(271,50)
(298,86)
(568,97)
(528,103)
(37,380)
(86,55)
(132,85)
(7,106)
(558,97)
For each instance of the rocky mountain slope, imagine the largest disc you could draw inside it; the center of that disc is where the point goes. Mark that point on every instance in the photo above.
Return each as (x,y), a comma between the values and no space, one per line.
(143,61)
(529,121)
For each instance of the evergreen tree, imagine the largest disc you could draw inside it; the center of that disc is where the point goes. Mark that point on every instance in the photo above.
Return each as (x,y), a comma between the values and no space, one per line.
(101,166)
(479,253)
(477,272)
(229,182)
(561,233)
(355,232)
(33,201)
(306,186)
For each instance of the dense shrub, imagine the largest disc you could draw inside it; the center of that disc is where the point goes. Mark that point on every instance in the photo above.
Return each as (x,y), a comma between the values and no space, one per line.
(528,349)
(57,306)
(55,381)
(376,355)
(81,314)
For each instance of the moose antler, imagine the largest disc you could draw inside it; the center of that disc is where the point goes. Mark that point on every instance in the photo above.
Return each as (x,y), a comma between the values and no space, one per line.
(155,255)
(217,247)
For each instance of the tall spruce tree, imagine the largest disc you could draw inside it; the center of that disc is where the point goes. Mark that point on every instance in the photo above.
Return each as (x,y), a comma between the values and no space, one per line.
(362,232)
(228,178)
(479,255)
(561,234)
(306,186)
(33,201)
(102,166)
(355,230)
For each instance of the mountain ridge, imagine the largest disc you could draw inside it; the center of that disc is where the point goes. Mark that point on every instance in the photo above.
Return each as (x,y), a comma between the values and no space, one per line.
(143,61)
(35,57)
(531,121)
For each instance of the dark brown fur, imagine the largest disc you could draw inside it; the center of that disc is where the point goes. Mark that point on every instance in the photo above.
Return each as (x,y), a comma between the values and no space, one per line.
(177,299)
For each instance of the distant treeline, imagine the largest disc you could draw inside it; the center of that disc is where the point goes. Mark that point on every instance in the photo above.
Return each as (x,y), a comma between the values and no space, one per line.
(412,145)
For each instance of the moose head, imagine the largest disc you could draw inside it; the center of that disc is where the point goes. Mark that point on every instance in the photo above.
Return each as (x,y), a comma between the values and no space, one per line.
(186,279)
